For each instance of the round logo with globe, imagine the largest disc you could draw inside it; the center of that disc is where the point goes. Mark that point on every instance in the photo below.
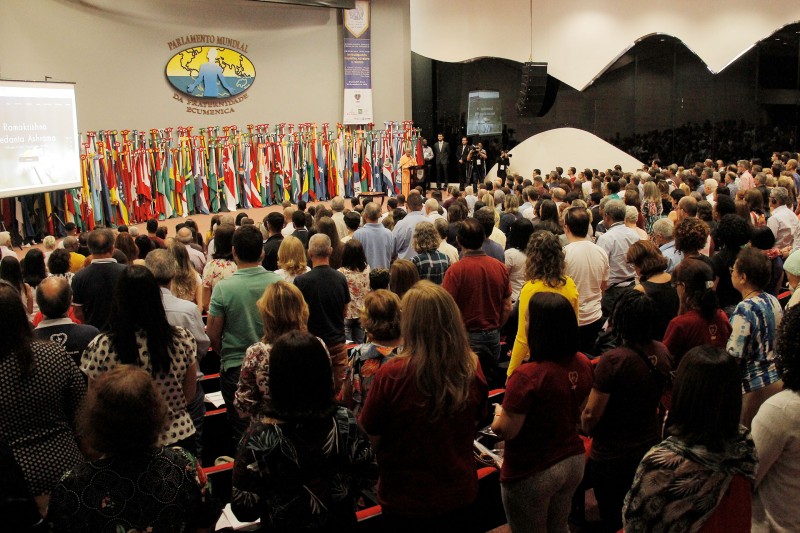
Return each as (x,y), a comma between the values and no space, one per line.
(210,72)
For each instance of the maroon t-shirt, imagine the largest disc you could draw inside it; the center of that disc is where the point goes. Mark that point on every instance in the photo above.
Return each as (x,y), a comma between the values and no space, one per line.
(478,284)
(550,395)
(426,466)
(688,330)
(629,425)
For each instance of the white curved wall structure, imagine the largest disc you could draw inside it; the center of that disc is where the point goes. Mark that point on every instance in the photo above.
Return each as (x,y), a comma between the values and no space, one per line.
(580,39)
(566,147)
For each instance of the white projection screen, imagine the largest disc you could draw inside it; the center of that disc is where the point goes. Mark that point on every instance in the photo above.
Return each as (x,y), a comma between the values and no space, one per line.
(484,113)
(39,141)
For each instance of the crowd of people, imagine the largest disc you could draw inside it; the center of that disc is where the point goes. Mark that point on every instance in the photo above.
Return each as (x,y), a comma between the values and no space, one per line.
(643,326)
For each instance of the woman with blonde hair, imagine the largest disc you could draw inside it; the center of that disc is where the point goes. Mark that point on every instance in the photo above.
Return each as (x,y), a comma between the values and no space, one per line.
(652,206)
(429,261)
(187,283)
(434,391)
(488,199)
(291,259)
(282,310)
(545,271)
(402,276)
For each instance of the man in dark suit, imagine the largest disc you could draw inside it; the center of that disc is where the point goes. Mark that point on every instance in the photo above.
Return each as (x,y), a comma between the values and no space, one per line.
(441,156)
(461,158)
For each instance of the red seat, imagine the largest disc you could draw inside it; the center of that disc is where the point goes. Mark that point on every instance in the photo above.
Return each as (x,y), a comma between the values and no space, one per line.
(734,513)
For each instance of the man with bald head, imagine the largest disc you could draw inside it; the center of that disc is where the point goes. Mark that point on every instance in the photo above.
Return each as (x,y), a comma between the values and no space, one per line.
(54,297)
(198,259)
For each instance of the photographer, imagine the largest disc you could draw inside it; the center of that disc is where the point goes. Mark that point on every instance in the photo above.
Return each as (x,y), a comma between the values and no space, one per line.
(476,164)
(502,165)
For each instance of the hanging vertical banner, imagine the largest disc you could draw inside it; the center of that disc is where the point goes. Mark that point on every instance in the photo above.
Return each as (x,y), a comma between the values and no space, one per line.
(357,65)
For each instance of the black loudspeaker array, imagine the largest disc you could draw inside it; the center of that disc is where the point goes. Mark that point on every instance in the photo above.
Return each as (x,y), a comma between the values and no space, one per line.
(537,93)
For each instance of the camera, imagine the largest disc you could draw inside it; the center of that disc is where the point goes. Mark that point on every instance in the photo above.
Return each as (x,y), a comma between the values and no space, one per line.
(506,154)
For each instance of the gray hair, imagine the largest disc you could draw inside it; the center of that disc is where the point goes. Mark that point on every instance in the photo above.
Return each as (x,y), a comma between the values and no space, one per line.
(70,243)
(780,194)
(319,245)
(134,231)
(372,211)
(432,205)
(49,243)
(5,238)
(161,263)
(631,214)
(337,204)
(615,210)
(227,219)
(184,236)
(664,228)
(499,197)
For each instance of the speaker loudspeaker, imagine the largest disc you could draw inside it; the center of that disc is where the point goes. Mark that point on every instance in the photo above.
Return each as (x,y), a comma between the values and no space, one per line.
(538,90)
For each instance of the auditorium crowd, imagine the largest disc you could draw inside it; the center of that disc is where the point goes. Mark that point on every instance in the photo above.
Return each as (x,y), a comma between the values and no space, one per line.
(640,327)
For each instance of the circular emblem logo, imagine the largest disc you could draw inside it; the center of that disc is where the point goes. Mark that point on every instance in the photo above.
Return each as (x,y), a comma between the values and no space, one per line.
(210,72)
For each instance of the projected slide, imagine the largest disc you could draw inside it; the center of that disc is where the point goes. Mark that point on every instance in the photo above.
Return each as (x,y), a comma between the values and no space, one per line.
(484,113)
(39,143)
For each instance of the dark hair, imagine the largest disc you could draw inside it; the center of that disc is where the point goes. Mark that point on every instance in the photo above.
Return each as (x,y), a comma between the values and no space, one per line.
(633,317)
(691,235)
(485,216)
(577,220)
(301,205)
(123,412)
(275,221)
(33,268)
(300,378)
(706,398)
(299,219)
(733,232)
(471,234)
(352,220)
(704,211)
(353,256)
(725,205)
(379,279)
(136,306)
(613,187)
(549,312)
(247,242)
(144,245)
(545,259)
(100,241)
(327,226)
(761,238)
(223,242)
(11,271)
(398,214)
(126,244)
(381,315)
(456,212)
(403,274)
(18,333)
(677,194)
(698,285)
(519,234)
(54,303)
(549,211)
(59,261)
(239,217)
(152,225)
(69,227)
(161,232)
(647,257)
(752,263)
(414,201)
(788,349)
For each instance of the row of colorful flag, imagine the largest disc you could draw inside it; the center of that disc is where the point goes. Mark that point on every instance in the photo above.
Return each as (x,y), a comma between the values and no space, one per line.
(130,176)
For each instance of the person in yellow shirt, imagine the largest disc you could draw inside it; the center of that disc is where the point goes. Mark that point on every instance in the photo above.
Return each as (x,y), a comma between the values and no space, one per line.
(545,272)
(406,162)
(76,260)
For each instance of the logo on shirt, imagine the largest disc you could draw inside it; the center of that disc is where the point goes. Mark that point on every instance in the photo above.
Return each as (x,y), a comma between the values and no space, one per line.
(573,379)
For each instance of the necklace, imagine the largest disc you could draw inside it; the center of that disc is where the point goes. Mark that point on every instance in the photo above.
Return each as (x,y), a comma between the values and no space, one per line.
(750,293)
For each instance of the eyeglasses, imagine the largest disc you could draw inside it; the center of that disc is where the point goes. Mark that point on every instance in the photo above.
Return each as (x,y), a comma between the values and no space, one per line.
(675,283)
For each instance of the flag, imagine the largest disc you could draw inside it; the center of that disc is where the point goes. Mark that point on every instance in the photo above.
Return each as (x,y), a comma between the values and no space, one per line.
(229,178)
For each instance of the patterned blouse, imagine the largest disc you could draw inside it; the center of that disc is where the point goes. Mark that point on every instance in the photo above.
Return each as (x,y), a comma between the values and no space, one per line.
(157,490)
(99,357)
(358,283)
(216,270)
(431,265)
(651,211)
(303,475)
(755,324)
(365,361)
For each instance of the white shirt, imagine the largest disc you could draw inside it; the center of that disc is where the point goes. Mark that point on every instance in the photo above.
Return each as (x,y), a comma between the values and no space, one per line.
(288,229)
(498,236)
(776,433)
(515,261)
(615,242)
(587,265)
(785,226)
(586,188)
(449,250)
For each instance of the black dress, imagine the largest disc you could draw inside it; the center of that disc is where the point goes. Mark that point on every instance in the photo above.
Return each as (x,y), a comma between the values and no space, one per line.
(39,407)
(666,302)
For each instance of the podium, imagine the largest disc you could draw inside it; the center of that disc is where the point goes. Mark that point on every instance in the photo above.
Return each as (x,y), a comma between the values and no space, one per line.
(417,176)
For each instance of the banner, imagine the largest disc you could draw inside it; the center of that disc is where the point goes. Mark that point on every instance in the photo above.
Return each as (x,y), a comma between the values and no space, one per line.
(357,65)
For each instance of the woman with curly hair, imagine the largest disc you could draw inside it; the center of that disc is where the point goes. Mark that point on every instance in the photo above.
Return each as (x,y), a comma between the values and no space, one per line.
(430,262)
(700,320)
(775,432)
(292,258)
(545,271)
(380,317)
(691,236)
(282,309)
(654,280)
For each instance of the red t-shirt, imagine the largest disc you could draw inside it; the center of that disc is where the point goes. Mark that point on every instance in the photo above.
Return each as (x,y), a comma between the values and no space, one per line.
(629,425)
(426,466)
(478,284)
(688,330)
(550,396)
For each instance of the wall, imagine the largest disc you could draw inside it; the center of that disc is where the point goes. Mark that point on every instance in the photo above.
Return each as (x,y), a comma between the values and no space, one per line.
(116,53)
(579,39)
